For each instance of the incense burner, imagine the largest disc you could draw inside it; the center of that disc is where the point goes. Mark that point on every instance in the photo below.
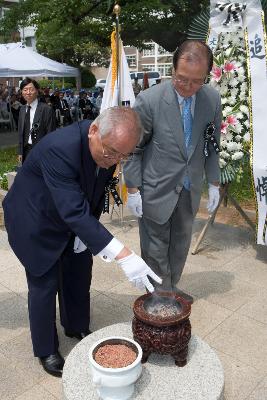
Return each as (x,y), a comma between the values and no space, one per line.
(161,325)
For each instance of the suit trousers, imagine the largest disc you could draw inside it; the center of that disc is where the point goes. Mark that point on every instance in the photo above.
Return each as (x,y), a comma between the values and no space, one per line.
(70,277)
(165,247)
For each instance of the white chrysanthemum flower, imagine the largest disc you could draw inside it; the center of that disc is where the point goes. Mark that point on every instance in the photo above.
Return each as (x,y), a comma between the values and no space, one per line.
(238,128)
(247,123)
(241,78)
(232,101)
(246,137)
(234,92)
(223,144)
(237,156)
(239,146)
(233,82)
(222,163)
(224,154)
(224,100)
(223,90)
(232,146)
(238,138)
(229,136)
(243,86)
(228,110)
(244,109)
(239,115)
(242,96)
(228,51)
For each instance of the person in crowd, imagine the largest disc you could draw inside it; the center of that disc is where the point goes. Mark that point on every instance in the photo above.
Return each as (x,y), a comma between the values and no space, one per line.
(52,219)
(99,99)
(35,119)
(64,111)
(145,81)
(4,107)
(85,106)
(136,87)
(165,177)
(15,106)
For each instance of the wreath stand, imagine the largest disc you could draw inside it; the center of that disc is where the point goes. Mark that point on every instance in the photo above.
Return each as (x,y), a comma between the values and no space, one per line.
(224,197)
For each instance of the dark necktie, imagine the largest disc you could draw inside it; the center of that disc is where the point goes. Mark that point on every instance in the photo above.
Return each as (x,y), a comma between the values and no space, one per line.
(27,125)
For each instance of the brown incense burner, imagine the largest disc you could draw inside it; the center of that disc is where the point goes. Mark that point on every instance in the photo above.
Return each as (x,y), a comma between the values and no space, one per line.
(161,325)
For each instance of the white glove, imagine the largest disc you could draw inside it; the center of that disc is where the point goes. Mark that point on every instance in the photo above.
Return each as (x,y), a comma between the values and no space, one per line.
(137,271)
(78,246)
(214,197)
(134,203)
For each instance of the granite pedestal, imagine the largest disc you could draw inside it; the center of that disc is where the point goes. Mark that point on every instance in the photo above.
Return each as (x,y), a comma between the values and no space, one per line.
(201,379)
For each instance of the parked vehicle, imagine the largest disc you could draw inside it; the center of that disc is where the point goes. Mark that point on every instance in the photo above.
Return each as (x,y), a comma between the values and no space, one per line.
(100,83)
(153,77)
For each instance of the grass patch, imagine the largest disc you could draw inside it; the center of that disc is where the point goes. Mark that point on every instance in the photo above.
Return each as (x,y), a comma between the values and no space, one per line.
(8,162)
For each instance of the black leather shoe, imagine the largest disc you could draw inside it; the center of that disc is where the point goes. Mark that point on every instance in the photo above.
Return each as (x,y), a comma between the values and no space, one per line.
(53,364)
(78,335)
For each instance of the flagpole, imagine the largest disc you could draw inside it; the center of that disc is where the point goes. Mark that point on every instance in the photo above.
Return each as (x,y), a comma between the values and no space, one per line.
(116,11)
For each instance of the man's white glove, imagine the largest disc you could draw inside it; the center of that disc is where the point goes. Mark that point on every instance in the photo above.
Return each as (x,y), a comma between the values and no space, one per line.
(78,246)
(214,197)
(134,203)
(137,271)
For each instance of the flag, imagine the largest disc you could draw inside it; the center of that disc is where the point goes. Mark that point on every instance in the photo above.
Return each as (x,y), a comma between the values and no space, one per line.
(118,89)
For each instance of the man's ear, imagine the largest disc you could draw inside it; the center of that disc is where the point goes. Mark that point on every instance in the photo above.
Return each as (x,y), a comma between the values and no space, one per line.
(93,131)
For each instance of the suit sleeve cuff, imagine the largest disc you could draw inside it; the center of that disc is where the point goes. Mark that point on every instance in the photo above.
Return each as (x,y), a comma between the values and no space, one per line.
(111,251)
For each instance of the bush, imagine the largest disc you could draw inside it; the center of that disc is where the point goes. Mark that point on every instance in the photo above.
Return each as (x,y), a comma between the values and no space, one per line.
(88,78)
(57,83)
(8,163)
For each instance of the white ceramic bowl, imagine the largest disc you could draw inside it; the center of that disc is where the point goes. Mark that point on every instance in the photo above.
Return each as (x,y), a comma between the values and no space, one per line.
(115,383)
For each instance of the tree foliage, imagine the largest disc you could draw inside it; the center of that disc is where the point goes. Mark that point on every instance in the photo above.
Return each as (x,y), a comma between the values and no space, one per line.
(76,31)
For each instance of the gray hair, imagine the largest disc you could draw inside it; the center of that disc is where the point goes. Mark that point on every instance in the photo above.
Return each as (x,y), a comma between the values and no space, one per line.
(111,118)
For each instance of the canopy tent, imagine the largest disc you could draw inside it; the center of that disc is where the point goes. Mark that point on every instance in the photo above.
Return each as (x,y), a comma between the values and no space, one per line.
(17,60)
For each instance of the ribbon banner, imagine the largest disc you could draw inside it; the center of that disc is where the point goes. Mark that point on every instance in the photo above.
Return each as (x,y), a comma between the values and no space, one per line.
(209,137)
(229,17)
(233,10)
(111,188)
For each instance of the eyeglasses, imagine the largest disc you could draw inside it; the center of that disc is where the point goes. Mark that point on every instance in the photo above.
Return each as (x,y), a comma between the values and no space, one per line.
(186,82)
(113,154)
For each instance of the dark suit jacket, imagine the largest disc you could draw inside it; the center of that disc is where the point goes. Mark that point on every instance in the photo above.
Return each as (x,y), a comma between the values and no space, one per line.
(44,116)
(55,193)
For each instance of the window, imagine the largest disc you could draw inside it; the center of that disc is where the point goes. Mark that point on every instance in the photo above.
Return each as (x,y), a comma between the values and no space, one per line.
(131,61)
(148,67)
(165,69)
(149,52)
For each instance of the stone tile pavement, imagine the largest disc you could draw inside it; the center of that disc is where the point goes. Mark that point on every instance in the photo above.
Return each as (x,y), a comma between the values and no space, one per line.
(228,279)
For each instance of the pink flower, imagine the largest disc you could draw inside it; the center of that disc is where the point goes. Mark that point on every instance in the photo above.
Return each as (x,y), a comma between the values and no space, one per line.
(216,73)
(231,120)
(224,127)
(229,67)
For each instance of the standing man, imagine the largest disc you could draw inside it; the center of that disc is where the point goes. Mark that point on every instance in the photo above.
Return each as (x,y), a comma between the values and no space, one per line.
(165,177)
(36,119)
(51,215)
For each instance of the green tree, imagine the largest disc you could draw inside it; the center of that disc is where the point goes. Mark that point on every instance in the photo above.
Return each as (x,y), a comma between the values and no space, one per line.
(76,31)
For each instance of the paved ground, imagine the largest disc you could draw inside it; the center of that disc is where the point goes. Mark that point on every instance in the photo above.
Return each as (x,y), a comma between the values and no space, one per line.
(228,280)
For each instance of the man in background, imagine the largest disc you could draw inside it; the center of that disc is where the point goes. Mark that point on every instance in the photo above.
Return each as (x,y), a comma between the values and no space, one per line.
(165,177)
(36,119)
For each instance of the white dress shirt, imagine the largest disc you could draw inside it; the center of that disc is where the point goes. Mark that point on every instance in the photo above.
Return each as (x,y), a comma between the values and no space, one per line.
(33,105)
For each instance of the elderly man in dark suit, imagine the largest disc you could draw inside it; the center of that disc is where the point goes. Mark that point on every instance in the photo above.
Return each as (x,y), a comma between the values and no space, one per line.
(51,215)
(165,177)
(36,119)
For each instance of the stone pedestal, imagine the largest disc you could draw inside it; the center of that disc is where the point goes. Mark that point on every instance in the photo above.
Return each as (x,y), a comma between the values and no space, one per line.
(201,379)
(10,178)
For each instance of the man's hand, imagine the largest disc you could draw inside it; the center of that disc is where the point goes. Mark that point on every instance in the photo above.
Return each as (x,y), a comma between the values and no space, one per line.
(20,158)
(214,197)
(137,271)
(134,203)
